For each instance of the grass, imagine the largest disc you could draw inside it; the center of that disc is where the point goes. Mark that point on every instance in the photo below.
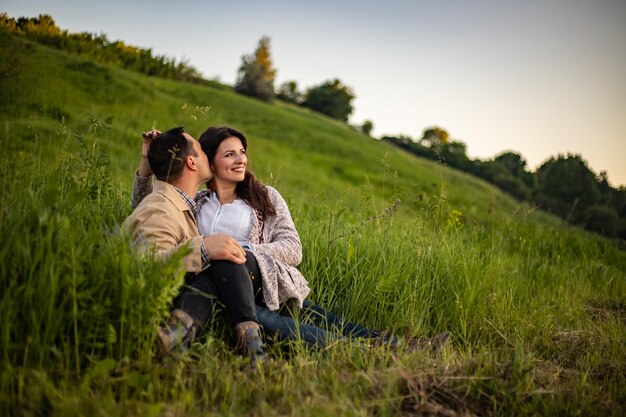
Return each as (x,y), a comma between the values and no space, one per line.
(537,308)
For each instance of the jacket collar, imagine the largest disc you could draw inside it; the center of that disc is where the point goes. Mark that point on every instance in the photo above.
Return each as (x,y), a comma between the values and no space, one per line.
(168,191)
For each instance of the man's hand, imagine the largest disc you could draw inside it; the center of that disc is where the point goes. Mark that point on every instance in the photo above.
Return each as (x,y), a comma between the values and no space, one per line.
(144,169)
(224,248)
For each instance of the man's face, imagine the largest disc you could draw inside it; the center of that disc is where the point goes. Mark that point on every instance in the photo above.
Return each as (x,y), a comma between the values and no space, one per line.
(202,162)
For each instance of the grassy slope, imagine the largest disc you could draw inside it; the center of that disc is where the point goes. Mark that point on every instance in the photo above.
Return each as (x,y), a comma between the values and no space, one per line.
(537,309)
(305,153)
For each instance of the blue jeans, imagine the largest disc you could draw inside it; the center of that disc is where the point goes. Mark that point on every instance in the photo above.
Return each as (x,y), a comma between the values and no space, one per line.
(316,328)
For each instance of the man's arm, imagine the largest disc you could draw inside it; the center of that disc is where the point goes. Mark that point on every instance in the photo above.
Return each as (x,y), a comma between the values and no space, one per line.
(153,228)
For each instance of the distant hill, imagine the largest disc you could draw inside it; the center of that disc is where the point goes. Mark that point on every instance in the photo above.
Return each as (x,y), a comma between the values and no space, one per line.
(586,200)
(308,156)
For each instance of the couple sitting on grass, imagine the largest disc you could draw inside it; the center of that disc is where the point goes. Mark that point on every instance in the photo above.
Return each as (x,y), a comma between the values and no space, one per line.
(243,246)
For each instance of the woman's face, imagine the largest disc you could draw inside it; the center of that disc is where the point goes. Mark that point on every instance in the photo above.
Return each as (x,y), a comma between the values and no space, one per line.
(230,162)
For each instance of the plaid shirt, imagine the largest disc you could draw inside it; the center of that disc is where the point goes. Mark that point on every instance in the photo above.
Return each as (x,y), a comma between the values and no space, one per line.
(194,210)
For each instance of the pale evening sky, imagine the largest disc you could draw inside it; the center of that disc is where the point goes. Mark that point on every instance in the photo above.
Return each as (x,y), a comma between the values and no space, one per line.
(539,77)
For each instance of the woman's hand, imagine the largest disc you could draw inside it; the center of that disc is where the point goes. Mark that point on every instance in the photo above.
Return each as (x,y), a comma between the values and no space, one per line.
(144,169)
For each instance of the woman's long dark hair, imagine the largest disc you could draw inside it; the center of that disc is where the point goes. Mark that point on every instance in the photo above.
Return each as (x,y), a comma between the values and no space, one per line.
(250,189)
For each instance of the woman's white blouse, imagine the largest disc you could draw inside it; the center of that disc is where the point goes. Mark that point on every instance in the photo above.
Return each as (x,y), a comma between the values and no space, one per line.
(234,219)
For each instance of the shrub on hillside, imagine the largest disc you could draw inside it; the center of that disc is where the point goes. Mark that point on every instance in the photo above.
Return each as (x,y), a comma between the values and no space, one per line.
(602,220)
(288,91)
(331,98)
(43,30)
(621,229)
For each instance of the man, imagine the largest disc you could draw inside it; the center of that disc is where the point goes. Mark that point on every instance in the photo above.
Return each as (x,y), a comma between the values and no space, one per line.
(165,221)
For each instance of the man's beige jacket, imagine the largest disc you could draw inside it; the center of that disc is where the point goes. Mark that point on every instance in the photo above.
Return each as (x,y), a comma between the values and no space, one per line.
(162,222)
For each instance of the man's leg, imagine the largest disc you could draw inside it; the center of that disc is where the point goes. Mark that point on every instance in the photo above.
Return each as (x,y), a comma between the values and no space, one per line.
(191,309)
(255,277)
(224,281)
(230,284)
(324,318)
(197,298)
(233,288)
(286,328)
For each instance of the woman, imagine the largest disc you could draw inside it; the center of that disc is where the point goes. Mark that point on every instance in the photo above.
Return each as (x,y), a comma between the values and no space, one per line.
(238,205)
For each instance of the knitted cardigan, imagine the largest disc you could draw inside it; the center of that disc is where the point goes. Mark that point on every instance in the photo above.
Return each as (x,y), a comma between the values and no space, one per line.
(275,245)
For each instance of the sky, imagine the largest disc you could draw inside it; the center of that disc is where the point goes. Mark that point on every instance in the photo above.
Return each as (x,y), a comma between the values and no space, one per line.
(538,77)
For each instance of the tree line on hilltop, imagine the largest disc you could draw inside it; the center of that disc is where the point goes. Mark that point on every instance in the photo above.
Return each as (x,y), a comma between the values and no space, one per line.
(98,47)
(563,185)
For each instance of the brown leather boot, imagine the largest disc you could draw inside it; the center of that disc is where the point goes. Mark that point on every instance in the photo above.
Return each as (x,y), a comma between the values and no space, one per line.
(178,332)
(249,342)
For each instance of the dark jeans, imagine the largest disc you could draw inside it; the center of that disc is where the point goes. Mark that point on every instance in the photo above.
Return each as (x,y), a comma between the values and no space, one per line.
(238,288)
(224,281)
(315,325)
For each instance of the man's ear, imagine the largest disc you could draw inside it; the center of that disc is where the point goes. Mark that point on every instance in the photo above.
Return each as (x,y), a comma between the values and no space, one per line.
(190,162)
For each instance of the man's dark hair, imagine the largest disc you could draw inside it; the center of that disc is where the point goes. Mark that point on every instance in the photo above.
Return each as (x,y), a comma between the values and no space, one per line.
(167,154)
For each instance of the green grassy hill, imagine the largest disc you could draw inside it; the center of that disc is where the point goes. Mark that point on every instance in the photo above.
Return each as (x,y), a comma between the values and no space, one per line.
(304,153)
(537,309)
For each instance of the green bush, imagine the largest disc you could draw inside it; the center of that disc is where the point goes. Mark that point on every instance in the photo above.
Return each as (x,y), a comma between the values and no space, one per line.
(603,220)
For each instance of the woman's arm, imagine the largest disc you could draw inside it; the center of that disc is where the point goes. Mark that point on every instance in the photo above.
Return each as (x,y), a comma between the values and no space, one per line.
(144,169)
(283,243)
(142,186)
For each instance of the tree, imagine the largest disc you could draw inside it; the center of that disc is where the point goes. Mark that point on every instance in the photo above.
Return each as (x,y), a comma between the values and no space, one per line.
(288,91)
(454,153)
(367,127)
(256,74)
(435,137)
(40,27)
(515,164)
(410,145)
(567,187)
(331,98)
